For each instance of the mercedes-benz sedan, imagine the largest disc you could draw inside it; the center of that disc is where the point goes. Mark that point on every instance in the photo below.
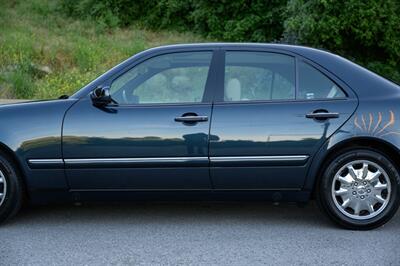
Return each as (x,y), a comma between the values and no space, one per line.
(213,121)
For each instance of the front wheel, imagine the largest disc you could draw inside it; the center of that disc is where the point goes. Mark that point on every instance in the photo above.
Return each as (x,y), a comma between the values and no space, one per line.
(360,189)
(11,188)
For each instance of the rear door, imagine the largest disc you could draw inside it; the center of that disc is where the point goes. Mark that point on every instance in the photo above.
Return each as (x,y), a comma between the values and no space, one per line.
(271,115)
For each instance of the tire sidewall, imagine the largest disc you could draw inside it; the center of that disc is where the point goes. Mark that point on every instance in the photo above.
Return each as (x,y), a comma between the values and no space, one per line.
(13,197)
(326,187)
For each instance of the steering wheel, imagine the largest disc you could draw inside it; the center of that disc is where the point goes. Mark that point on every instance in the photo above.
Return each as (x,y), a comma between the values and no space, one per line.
(128,98)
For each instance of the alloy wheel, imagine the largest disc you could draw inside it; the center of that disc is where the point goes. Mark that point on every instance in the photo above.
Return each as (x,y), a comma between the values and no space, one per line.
(361,189)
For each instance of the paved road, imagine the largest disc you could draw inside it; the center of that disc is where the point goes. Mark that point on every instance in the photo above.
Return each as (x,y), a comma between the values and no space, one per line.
(190,234)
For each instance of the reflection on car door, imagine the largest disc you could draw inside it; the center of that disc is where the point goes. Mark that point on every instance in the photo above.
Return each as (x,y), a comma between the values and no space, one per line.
(265,136)
(156,137)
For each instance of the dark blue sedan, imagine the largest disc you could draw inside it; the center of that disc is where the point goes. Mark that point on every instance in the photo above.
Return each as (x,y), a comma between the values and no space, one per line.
(213,121)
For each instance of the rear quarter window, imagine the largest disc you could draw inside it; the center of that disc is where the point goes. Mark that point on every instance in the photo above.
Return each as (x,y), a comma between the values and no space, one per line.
(315,85)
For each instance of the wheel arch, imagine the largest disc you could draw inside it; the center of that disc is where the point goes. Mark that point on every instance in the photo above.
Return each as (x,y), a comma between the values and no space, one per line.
(379,145)
(10,153)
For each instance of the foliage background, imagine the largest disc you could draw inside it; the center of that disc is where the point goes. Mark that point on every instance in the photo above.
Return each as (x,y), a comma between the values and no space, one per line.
(77,40)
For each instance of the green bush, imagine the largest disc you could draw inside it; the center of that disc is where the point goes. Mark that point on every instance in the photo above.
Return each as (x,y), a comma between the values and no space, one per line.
(365,31)
(44,54)
(242,20)
(78,40)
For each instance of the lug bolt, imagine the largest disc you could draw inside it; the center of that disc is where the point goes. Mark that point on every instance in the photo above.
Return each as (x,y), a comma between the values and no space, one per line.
(368,190)
(364,183)
(354,192)
(356,184)
(362,197)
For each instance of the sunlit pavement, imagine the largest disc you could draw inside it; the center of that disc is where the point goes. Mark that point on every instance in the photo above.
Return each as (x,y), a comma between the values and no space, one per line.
(187,233)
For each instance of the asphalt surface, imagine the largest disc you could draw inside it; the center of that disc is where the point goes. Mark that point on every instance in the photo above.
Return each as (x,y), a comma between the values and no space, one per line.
(186,233)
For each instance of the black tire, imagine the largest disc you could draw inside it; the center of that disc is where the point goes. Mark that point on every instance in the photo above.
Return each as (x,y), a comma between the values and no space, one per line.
(14,196)
(324,188)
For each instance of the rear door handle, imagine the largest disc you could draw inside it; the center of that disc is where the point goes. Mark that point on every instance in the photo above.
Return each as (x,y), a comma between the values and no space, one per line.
(322,115)
(191,118)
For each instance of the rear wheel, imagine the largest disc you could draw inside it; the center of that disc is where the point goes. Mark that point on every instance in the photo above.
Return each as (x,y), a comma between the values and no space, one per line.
(360,189)
(11,188)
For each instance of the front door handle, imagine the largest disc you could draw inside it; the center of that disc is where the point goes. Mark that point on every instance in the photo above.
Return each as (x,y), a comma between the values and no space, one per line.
(191,118)
(322,115)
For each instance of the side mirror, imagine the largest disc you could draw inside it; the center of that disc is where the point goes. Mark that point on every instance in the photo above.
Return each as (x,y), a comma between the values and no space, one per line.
(101,96)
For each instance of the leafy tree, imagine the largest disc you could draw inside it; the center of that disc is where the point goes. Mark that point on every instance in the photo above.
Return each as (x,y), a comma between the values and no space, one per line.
(365,31)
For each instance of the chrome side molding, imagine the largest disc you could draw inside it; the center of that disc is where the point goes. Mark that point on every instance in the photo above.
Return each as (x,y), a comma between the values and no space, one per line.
(259,158)
(45,161)
(169,161)
(134,160)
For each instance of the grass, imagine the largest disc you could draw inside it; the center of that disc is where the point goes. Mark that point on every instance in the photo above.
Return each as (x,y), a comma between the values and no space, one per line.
(34,35)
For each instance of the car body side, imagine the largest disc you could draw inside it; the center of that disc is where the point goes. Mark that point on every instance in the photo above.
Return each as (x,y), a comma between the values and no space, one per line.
(34,130)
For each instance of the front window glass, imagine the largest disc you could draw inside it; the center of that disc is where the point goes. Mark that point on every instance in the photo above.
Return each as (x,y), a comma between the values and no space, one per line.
(171,78)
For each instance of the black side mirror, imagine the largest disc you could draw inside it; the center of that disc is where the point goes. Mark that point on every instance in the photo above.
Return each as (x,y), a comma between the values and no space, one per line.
(101,96)
(63,97)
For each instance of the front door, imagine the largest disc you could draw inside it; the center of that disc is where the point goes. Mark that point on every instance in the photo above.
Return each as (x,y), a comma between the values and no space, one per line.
(270,119)
(155,137)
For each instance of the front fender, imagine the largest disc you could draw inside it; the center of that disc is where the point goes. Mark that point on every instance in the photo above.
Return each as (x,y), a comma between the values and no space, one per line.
(32,130)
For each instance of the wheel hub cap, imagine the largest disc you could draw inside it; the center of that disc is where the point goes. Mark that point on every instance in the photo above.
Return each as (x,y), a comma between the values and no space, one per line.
(361,189)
